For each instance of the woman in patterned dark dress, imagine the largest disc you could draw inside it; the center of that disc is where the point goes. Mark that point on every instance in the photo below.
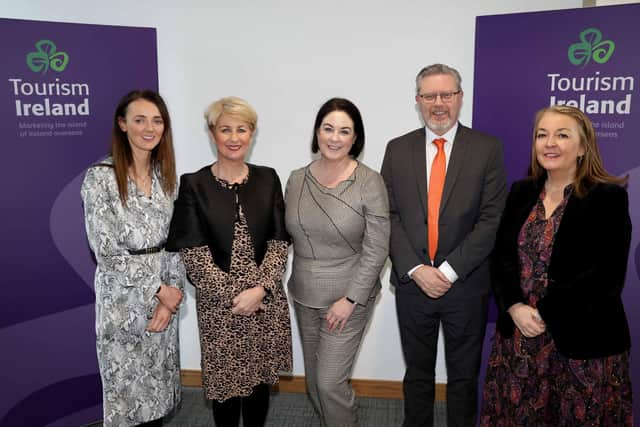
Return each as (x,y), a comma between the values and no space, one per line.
(228,224)
(560,354)
(128,201)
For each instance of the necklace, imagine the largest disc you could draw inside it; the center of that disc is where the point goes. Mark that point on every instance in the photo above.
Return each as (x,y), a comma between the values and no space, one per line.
(237,179)
(142,182)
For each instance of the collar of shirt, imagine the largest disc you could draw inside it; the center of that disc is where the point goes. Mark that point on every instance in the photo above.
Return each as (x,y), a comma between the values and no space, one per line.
(449,135)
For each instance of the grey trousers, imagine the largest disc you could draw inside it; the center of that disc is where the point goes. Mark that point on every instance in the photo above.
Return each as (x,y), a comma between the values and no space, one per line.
(328,362)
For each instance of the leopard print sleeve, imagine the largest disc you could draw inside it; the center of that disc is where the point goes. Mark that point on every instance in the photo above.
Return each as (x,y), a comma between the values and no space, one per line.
(201,269)
(273,264)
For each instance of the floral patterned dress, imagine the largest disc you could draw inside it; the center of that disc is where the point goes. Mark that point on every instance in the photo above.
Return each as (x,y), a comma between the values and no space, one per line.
(528,382)
(140,370)
(240,352)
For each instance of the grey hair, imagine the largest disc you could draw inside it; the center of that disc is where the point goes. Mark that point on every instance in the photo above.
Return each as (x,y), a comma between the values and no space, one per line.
(438,69)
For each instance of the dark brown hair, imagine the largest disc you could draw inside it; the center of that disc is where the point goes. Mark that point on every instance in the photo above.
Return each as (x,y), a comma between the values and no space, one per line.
(162,156)
(348,107)
(589,168)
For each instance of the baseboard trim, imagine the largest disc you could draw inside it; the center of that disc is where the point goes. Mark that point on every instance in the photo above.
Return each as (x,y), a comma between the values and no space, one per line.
(191,377)
(296,384)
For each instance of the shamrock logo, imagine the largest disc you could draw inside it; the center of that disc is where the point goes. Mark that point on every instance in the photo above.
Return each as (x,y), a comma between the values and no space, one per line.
(591,47)
(47,57)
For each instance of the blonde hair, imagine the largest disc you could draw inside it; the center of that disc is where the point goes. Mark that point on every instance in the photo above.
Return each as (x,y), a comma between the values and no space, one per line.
(234,107)
(589,167)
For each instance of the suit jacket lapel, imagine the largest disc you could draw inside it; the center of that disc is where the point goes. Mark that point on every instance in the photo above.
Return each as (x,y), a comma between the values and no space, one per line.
(419,153)
(456,162)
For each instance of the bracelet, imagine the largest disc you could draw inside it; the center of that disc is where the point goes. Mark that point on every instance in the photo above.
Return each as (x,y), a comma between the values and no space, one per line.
(350,300)
(159,289)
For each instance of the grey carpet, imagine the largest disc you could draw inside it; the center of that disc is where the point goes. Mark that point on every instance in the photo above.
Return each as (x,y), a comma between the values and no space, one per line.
(295,410)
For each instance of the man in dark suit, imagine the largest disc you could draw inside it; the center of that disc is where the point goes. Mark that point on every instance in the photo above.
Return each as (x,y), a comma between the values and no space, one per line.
(447,189)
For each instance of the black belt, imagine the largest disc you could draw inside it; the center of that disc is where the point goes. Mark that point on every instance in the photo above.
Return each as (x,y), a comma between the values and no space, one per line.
(146,251)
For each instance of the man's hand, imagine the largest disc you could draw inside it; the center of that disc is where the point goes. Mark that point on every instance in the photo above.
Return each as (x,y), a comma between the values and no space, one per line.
(431,280)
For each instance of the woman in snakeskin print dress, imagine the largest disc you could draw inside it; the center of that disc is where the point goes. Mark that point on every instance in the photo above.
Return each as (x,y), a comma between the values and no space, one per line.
(128,202)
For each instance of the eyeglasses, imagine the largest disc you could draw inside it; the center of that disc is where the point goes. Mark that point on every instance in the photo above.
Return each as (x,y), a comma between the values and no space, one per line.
(444,96)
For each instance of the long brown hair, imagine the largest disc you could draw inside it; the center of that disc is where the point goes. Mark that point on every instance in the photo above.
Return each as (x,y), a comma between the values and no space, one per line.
(162,156)
(589,168)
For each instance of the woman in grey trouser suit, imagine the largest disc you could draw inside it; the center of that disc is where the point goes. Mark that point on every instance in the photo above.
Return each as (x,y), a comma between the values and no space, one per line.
(338,216)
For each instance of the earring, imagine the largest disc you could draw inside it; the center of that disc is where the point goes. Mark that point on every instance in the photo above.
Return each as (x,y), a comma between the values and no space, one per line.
(580,159)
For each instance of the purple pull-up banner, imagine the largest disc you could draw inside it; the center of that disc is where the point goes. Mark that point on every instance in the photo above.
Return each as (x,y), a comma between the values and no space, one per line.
(587,58)
(59,85)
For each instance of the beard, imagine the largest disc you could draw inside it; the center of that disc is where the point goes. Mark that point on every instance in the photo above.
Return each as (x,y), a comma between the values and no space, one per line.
(440,126)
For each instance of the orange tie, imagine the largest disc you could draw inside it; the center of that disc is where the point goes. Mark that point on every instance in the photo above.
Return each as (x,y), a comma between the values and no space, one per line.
(436,185)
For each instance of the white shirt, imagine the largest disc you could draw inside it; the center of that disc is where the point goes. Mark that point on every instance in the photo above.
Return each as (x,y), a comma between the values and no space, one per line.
(431,151)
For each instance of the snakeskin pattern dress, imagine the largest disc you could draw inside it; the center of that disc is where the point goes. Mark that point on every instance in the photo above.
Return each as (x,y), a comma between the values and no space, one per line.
(140,370)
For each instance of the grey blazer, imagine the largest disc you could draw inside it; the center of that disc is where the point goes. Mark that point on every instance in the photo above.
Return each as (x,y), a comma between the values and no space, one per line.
(340,236)
(472,202)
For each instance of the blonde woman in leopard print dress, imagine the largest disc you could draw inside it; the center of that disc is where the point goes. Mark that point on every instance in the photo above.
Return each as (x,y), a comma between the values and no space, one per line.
(228,225)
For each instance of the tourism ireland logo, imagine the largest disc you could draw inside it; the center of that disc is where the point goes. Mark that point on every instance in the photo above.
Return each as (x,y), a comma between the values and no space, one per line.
(591,46)
(47,57)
